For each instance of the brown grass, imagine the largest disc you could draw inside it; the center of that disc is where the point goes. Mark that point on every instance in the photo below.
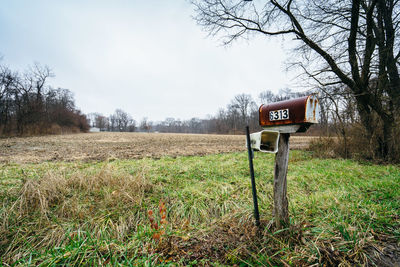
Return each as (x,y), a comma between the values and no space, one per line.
(54,206)
(103,146)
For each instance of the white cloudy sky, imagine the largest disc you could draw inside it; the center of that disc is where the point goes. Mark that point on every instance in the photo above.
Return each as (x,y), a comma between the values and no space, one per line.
(147,57)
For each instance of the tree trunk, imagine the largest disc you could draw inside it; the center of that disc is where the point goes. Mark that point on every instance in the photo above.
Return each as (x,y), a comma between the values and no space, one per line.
(388,139)
(281,212)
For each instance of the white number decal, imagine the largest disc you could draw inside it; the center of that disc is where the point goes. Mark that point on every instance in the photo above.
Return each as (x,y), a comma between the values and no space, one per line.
(276,115)
(285,115)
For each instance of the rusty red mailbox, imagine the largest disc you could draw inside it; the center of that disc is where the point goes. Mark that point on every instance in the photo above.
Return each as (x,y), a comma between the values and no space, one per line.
(290,116)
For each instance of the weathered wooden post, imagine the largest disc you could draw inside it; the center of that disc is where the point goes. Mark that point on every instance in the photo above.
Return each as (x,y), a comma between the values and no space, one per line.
(281,206)
(281,119)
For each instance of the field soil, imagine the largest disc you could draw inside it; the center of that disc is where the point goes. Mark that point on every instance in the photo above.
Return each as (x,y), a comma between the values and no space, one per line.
(104,146)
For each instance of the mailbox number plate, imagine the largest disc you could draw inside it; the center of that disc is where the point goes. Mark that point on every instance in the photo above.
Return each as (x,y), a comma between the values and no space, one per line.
(278,115)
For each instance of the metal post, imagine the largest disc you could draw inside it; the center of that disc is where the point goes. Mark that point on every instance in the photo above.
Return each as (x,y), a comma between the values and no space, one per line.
(253,182)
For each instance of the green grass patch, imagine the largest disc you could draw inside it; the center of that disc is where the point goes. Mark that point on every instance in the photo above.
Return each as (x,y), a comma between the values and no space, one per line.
(75,213)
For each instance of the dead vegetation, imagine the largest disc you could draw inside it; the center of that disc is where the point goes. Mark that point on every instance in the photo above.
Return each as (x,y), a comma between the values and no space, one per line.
(103,146)
(234,239)
(57,206)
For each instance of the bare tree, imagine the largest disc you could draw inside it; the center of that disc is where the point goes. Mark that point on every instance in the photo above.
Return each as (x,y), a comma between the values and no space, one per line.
(240,110)
(121,121)
(194,125)
(146,125)
(101,121)
(7,104)
(98,120)
(347,43)
(267,96)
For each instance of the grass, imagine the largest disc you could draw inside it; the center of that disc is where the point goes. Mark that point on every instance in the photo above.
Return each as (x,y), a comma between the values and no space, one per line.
(77,213)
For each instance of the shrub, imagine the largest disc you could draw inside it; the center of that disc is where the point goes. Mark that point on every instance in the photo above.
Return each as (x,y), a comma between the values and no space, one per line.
(357,143)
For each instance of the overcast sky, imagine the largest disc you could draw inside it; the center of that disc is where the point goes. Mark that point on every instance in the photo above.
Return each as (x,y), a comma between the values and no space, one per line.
(148,58)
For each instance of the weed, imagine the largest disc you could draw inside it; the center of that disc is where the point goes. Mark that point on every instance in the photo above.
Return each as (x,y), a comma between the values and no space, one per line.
(158,228)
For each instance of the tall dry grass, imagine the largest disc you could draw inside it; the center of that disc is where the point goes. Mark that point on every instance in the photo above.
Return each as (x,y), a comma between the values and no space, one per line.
(57,206)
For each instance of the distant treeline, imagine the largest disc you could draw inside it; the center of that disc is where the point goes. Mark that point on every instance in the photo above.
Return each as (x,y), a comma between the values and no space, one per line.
(29,106)
(241,111)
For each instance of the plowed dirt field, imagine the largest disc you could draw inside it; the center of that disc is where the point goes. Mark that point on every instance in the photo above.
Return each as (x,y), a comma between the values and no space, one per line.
(103,146)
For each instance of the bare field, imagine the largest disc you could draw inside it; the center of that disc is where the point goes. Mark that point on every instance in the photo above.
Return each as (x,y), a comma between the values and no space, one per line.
(103,146)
